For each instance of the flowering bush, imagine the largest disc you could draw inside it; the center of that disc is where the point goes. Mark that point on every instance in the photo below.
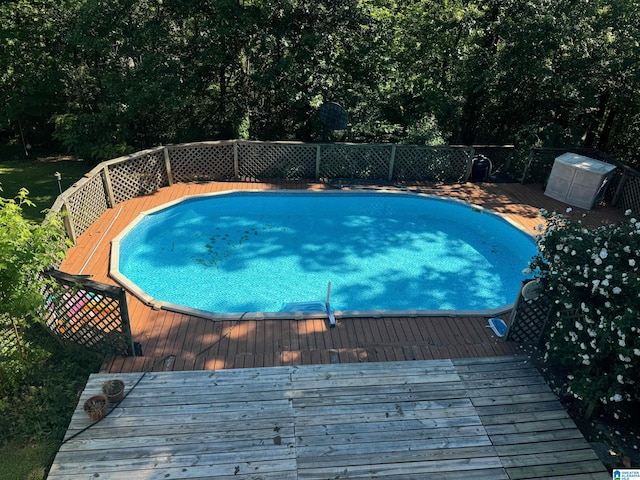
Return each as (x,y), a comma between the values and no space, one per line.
(592,275)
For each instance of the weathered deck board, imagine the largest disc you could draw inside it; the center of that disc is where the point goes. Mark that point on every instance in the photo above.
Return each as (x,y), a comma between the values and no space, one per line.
(481,418)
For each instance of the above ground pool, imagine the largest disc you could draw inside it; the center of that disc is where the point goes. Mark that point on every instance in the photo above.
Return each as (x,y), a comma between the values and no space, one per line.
(241,252)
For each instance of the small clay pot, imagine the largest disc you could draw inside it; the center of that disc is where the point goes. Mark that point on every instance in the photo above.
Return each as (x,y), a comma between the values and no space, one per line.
(113,390)
(96,407)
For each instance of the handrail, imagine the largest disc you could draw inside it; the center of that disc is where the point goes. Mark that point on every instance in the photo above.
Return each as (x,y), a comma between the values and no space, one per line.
(140,173)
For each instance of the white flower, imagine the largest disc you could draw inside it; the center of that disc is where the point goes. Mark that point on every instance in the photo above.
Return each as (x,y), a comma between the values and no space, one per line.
(627,249)
(628,212)
(616,398)
(636,352)
(616,290)
(620,379)
(569,210)
(622,343)
(603,253)
(632,262)
(579,325)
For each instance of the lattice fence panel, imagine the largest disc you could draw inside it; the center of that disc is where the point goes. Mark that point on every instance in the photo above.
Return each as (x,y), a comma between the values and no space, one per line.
(83,312)
(276,160)
(201,162)
(139,175)
(529,318)
(500,156)
(86,203)
(630,198)
(355,161)
(431,164)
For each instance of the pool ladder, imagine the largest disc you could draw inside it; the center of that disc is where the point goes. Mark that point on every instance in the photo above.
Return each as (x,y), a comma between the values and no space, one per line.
(332,319)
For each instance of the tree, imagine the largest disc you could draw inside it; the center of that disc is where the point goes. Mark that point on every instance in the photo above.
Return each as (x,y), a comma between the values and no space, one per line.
(104,78)
(31,46)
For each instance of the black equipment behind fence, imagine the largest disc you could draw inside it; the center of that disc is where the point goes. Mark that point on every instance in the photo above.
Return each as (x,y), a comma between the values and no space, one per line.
(84,312)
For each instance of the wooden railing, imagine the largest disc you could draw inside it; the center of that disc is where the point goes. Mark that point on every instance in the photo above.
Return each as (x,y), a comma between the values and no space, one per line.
(95,315)
(115,181)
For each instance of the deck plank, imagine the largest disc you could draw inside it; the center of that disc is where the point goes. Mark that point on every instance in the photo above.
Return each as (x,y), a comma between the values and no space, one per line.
(391,420)
(295,342)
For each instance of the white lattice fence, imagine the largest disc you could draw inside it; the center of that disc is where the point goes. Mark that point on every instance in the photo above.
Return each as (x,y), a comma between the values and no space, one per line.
(433,164)
(85,203)
(140,174)
(355,161)
(201,161)
(291,161)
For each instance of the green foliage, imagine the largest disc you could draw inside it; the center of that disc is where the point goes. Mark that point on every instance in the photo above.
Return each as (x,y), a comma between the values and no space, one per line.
(40,389)
(593,276)
(105,78)
(26,250)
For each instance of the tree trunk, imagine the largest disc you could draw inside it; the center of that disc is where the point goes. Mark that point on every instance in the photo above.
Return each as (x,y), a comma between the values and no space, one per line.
(605,134)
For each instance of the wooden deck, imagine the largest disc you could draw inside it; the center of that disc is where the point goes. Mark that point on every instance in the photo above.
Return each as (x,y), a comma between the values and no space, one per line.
(172,341)
(476,418)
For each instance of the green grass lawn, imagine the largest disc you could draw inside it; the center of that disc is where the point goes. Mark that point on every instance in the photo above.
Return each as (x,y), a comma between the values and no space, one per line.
(38,176)
(28,462)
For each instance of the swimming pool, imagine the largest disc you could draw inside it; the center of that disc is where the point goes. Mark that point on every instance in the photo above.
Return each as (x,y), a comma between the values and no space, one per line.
(384,253)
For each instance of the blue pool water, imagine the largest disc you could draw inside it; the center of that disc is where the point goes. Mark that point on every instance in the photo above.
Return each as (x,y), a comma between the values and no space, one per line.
(257,251)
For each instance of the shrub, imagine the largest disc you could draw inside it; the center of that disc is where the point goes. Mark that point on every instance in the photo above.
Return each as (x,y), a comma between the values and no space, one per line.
(592,275)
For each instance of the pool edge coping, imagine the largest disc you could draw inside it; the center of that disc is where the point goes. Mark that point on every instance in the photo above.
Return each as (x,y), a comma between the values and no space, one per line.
(115,274)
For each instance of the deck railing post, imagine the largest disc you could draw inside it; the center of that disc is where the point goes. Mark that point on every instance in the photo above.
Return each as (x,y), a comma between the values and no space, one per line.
(167,165)
(236,167)
(68,222)
(527,166)
(620,188)
(392,159)
(126,323)
(318,156)
(107,185)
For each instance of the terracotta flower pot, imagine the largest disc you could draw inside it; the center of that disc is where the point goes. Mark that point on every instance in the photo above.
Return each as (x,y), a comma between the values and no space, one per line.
(113,390)
(96,407)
